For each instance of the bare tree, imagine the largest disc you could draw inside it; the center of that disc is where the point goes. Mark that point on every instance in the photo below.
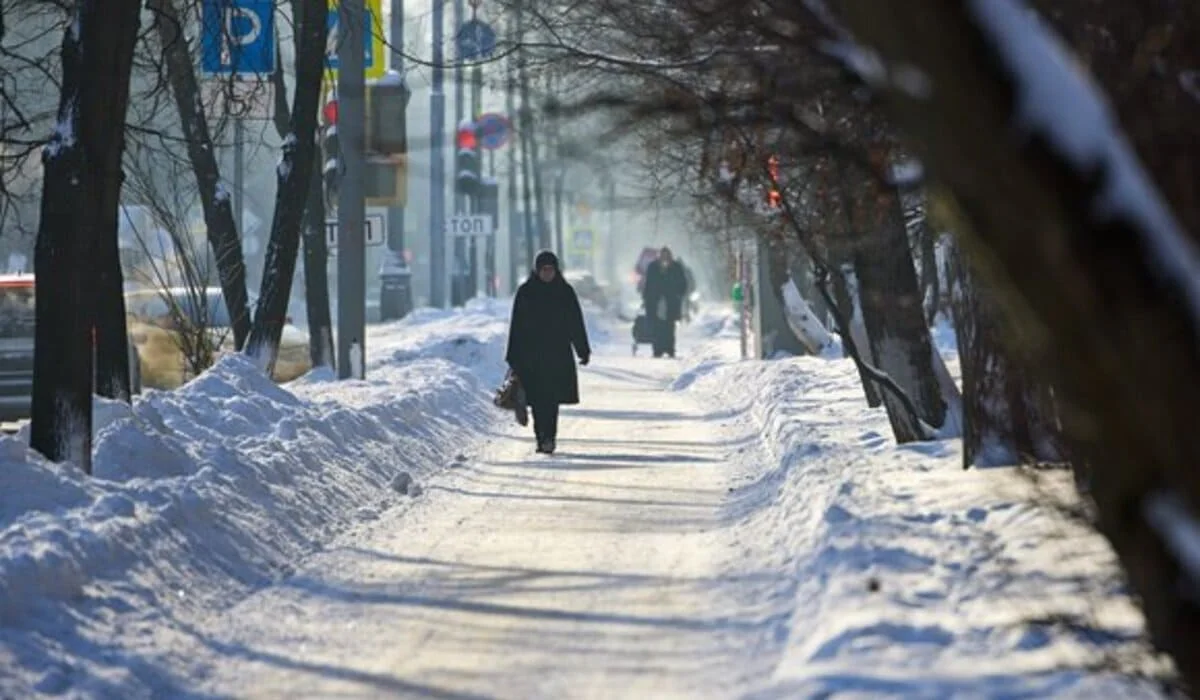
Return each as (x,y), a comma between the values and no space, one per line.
(82,165)
(294,182)
(1102,282)
(316,249)
(215,201)
(173,315)
(1004,422)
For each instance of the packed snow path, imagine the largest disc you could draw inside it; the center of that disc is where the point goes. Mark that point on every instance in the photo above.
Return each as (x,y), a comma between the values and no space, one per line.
(597,572)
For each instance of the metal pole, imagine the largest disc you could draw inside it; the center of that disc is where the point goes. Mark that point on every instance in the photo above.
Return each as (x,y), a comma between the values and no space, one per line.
(493,284)
(458,274)
(743,282)
(437,165)
(510,110)
(559,175)
(476,102)
(239,175)
(352,290)
(395,289)
(611,239)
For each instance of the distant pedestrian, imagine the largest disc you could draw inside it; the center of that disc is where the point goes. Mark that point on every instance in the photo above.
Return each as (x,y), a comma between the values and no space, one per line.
(666,286)
(547,324)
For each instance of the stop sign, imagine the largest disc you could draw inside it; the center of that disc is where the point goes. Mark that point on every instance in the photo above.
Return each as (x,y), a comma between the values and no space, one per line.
(330,112)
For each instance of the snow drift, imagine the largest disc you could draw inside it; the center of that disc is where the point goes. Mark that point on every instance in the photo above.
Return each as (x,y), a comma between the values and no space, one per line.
(909,577)
(203,494)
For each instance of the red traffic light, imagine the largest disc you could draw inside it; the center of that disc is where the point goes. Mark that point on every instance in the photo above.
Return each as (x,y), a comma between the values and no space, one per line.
(330,112)
(466,137)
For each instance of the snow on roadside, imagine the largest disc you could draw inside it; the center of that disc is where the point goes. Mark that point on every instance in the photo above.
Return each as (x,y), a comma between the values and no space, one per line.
(203,494)
(908,576)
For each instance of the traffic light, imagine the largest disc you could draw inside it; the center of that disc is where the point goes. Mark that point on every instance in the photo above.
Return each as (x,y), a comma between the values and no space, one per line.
(466,160)
(387,103)
(774,198)
(385,181)
(331,151)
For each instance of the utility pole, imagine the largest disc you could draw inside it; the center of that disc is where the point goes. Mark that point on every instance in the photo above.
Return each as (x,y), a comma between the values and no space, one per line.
(510,109)
(476,104)
(525,132)
(559,170)
(239,176)
(611,239)
(437,165)
(352,258)
(458,275)
(395,290)
(530,142)
(493,248)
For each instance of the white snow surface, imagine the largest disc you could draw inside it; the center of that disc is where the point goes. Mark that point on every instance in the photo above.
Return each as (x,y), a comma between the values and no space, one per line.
(710,527)
(207,493)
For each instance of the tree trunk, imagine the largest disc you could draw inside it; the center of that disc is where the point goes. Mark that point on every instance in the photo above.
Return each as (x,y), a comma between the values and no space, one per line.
(294,175)
(316,250)
(84,151)
(805,324)
(1003,424)
(112,376)
(930,272)
(316,275)
(529,141)
(215,201)
(1102,283)
(845,292)
(891,302)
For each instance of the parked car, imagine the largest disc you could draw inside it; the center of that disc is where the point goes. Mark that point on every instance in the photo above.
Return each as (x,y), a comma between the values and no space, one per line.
(17,318)
(160,320)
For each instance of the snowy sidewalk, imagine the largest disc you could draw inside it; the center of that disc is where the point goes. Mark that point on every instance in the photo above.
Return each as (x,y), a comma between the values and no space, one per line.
(593,573)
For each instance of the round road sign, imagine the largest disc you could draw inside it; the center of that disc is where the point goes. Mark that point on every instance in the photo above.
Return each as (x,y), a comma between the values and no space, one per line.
(494,130)
(476,40)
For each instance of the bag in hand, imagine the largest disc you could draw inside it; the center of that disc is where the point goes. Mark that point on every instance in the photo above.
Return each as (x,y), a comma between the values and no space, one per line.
(511,397)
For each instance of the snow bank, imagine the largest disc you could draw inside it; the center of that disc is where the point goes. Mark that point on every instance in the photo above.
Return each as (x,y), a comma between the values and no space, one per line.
(901,574)
(206,493)
(471,336)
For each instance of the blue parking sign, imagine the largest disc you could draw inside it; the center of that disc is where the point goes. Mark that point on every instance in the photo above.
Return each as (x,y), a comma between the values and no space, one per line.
(238,37)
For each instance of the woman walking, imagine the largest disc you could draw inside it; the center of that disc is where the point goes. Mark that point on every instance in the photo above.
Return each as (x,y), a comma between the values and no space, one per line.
(547,324)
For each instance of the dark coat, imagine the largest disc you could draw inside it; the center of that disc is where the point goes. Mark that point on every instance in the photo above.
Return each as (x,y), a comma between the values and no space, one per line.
(665,282)
(546,323)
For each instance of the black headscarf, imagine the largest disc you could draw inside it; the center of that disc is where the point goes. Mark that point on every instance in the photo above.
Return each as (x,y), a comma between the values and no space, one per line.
(544,258)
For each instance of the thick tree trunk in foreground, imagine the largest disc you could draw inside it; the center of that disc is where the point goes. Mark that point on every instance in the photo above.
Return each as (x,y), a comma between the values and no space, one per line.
(77,209)
(215,201)
(1006,422)
(892,310)
(1068,231)
(294,177)
(112,348)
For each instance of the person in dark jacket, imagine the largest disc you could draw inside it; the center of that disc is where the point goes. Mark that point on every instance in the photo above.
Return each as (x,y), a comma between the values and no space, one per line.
(547,323)
(663,296)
